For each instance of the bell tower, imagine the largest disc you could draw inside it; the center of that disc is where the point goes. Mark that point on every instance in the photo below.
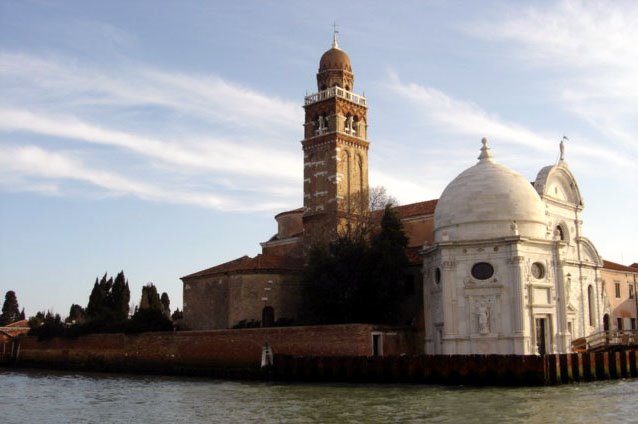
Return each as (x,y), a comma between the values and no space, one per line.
(335,150)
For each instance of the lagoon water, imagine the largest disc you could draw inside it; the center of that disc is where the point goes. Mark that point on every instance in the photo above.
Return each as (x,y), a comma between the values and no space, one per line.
(37,396)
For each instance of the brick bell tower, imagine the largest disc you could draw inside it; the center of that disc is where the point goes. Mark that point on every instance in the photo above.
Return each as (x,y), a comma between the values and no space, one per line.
(335,150)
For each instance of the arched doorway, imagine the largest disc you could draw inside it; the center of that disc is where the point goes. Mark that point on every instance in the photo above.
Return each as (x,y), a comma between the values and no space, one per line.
(268,317)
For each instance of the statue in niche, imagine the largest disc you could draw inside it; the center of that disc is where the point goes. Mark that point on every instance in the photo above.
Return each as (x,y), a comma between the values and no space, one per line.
(483,313)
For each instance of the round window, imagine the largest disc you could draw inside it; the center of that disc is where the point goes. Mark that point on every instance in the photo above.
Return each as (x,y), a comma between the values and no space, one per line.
(437,275)
(538,270)
(482,271)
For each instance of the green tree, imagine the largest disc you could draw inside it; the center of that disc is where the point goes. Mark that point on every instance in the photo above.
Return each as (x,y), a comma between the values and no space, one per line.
(10,309)
(150,298)
(150,315)
(37,320)
(387,263)
(46,326)
(334,279)
(177,315)
(77,314)
(108,307)
(353,280)
(166,304)
(97,299)
(119,297)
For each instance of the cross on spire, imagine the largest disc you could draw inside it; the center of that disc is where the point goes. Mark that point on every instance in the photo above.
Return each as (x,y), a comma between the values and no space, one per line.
(335,45)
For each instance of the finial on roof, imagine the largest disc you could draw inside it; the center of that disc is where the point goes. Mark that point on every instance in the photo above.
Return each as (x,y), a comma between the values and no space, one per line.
(486,153)
(335,45)
(562,148)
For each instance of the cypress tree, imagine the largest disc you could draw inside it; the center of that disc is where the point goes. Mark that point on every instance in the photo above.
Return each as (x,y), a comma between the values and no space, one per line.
(10,309)
(96,299)
(150,315)
(387,266)
(120,297)
(166,304)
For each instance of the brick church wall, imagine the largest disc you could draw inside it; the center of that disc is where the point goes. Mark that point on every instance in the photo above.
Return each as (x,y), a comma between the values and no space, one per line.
(223,301)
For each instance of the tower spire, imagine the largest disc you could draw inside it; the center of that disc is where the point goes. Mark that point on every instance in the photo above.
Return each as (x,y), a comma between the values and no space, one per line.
(335,45)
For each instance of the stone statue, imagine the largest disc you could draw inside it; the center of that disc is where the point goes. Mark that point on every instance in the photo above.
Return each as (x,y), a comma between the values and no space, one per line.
(483,313)
(568,287)
(562,148)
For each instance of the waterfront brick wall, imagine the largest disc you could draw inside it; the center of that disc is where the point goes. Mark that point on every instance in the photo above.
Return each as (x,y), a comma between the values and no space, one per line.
(202,350)
(479,370)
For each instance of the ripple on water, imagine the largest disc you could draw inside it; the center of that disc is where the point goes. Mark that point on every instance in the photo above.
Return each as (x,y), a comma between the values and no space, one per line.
(58,397)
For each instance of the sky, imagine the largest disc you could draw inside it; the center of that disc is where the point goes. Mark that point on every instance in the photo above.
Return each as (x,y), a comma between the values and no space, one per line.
(160,138)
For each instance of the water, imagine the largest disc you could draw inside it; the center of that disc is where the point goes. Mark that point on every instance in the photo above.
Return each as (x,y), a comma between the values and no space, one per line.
(29,396)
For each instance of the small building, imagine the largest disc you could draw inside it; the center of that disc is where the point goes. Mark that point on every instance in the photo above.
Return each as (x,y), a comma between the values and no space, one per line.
(619,296)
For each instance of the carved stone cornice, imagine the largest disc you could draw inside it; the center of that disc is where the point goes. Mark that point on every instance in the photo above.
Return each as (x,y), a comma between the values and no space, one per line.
(448,264)
(516,260)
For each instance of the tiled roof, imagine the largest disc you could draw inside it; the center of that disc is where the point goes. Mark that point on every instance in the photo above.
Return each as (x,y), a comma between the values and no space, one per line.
(259,264)
(414,209)
(21,323)
(619,267)
(298,210)
(15,328)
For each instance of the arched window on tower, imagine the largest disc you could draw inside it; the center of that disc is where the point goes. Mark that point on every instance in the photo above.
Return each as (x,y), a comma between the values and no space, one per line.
(363,198)
(347,175)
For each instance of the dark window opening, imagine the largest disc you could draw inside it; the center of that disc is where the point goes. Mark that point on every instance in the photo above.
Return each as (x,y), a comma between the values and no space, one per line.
(376,345)
(617,289)
(482,271)
(560,233)
(619,323)
(268,317)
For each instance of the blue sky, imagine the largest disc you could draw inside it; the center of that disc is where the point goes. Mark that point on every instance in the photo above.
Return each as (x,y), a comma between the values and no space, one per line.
(160,138)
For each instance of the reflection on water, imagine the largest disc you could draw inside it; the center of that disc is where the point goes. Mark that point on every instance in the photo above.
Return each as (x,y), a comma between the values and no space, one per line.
(57,397)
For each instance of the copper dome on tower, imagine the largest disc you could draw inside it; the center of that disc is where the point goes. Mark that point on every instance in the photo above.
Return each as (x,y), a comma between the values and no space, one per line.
(335,59)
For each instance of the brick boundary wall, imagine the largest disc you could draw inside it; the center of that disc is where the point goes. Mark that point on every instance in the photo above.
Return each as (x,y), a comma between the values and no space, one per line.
(476,370)
(319,353)
(216,352)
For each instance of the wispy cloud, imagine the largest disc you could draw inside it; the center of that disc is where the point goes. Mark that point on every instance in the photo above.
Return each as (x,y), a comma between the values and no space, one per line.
(452,117)
(203,128)
(591,48)
(34,166)
(206,154)
(64,82)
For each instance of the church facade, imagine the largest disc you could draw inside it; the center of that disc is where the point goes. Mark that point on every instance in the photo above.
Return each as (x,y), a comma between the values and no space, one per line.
(498,265)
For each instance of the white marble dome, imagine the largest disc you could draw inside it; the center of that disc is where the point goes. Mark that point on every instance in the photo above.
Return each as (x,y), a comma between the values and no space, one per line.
(487,201)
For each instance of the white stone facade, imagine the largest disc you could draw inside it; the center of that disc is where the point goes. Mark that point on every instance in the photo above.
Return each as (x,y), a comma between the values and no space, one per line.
(509,271)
